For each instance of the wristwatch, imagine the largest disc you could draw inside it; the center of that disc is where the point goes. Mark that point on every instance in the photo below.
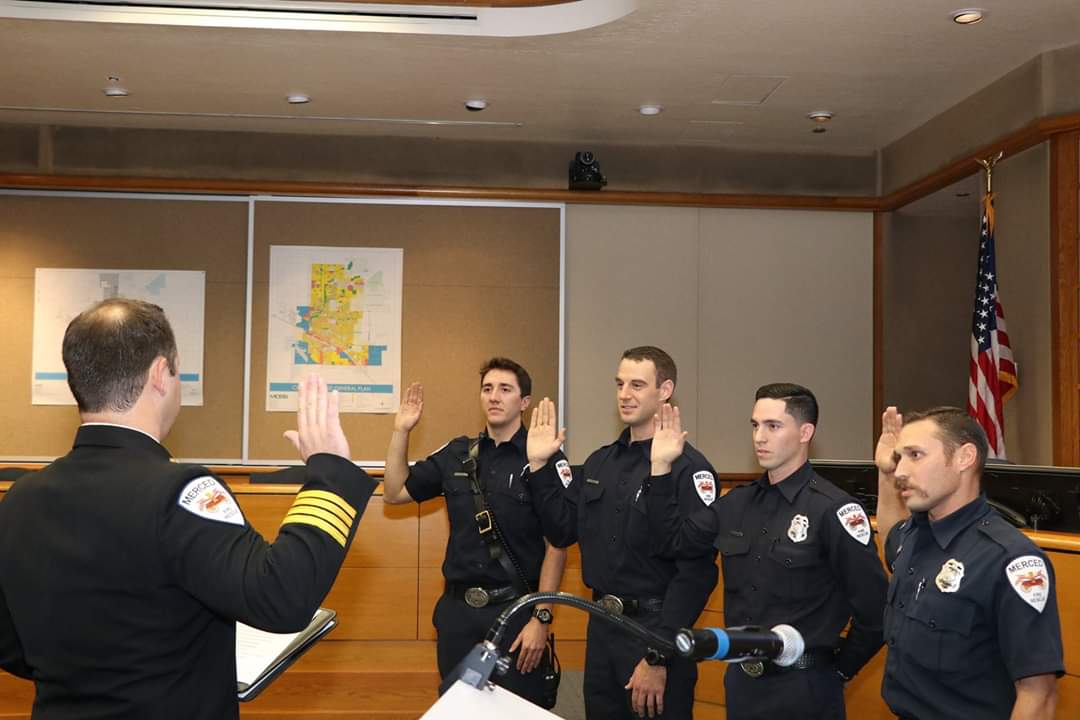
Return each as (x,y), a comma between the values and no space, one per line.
(654,657)
(543,615)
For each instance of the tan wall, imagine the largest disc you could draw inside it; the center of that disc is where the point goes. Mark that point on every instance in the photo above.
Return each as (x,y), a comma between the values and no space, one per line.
(739,298)
(928,292)
(1022,185)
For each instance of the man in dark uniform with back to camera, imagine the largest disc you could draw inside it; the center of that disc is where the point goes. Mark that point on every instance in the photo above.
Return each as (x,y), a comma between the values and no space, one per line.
(795,550)
(602,504)
(972,618)
(506,523)
(122,574)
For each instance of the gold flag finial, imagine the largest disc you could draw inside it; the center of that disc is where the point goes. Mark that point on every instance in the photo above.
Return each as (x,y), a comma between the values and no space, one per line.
(988,165)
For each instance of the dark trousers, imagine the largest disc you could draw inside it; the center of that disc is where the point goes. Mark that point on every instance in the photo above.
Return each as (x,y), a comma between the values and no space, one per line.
(812,694)
(611,655)
(460,627)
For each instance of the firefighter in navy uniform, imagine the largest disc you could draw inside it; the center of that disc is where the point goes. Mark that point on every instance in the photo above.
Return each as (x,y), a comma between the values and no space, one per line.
(603,505)
(500,546)
(122,574)
(795,550)
(972,621)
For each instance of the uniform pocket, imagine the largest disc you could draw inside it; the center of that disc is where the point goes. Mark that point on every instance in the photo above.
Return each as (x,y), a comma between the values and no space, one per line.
(796,571)
(939,627)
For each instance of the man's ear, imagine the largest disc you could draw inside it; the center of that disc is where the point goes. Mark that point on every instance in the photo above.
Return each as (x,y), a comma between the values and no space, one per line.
(966,456)
(159,375)
(806,432)
(667,389)
(525,401)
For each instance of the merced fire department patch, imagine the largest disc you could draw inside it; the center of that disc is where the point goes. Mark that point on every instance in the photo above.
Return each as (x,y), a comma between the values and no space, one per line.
(1030,579)
(206,497)
(565,473)
(949,577)
(705,484)
(853,519)
(800,524)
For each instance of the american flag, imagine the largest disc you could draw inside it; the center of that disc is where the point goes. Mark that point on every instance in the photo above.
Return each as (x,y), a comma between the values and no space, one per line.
(993,373)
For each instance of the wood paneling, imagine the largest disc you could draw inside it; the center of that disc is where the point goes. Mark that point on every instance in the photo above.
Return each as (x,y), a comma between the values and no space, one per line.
(1065,295)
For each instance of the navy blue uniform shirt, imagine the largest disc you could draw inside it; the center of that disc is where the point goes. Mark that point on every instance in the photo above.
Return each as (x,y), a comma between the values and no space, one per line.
(971,610)
(603,505)
(502,471)
(800,552)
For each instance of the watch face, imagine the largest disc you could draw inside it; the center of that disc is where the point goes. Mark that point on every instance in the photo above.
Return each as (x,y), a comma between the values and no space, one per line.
(544,615)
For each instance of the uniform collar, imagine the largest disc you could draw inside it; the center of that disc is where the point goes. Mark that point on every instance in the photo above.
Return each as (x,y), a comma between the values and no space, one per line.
(119,436)
(624,442)
(790,486)
(518,440)
(946,529)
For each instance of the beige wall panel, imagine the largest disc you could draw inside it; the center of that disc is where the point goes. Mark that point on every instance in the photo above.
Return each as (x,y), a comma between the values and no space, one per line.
(631,279)
(124,233)
(928,291)
(785,296)
(1022,187)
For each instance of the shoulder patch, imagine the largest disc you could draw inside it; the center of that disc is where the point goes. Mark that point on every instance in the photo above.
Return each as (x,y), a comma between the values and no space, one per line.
(705,484)
(206,497)
(1029,577)
(854,521)
(562,467)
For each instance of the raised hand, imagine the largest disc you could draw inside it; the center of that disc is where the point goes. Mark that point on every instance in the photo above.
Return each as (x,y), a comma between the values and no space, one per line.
(317,421)
(545,438)
(410,409)
(668,439)
(885,455)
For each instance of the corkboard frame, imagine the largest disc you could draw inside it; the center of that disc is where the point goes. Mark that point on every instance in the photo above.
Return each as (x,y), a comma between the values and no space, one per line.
(481,278)
(526,321)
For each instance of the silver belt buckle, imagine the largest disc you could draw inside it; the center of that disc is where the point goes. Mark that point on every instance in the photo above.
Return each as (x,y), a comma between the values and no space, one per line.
(477,597)
(753,668)
(612,603)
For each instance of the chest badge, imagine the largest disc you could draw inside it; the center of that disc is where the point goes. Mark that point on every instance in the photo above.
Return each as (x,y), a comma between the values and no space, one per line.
(565,474)
(800,525)
(948,579)
(1028,577)
(854,521)
(705,484)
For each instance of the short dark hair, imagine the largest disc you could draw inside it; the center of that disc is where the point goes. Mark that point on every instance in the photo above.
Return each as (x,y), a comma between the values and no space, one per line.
(799,402)
(955,428)
(501,363)
(665,366)
(109,348)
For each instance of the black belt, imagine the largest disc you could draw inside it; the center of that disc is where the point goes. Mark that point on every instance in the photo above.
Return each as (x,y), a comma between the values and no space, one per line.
(478,596)
(816,658)
(620,605)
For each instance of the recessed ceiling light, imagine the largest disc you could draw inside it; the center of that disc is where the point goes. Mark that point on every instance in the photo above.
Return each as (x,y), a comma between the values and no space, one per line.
(968,16)
(819,129)
(298,99)
(820,116)
(475,104)
(651,109)
(963,194)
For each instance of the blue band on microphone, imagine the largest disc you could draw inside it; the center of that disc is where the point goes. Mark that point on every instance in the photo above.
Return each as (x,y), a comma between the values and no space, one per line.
(723,644)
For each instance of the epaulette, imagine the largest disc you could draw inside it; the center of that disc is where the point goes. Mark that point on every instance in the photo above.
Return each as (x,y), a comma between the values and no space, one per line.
(1010,539)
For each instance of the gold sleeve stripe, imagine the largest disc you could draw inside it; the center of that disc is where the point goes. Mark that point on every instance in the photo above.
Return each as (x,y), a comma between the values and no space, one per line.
(319,523)
(323,515)
(329,497)
(336,511)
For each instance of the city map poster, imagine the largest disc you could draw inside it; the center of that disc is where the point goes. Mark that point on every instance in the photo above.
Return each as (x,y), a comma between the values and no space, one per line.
(337,312)
(62,293)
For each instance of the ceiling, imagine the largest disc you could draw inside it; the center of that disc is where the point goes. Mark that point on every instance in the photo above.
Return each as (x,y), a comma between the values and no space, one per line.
(882,68)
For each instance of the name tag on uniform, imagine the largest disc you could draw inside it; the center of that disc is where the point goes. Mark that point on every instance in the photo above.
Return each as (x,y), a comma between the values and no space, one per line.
(592,481)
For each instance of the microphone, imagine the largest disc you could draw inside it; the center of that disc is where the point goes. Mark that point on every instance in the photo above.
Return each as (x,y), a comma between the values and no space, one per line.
(783,644)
